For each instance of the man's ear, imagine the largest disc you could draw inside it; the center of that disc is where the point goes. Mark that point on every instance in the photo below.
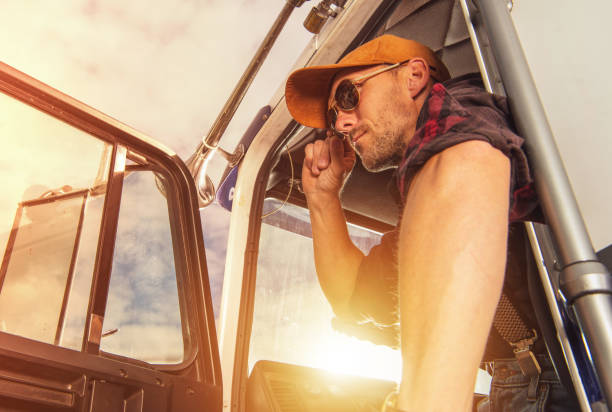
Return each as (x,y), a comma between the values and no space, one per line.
(417,72)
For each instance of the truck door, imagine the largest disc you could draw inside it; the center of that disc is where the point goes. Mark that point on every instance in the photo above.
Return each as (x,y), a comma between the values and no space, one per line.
(104,296)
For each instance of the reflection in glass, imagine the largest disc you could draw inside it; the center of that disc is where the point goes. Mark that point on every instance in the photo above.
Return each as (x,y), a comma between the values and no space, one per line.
(52,177)
(40,257)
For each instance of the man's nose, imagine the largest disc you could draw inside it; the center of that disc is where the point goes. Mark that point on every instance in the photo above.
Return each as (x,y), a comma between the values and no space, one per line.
(345,120)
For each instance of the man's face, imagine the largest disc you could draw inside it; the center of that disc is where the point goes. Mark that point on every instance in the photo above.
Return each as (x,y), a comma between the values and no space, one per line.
(383,122)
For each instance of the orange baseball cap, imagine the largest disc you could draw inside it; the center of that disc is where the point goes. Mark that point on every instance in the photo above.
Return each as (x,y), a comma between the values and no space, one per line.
(307,89)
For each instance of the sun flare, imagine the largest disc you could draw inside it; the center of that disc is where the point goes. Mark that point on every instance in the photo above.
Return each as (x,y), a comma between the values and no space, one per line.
(340,353)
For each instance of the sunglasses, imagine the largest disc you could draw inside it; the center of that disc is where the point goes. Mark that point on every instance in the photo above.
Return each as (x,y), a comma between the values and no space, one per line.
(346,97)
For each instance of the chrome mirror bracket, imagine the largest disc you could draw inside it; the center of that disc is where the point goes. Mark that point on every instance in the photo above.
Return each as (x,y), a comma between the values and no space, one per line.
(197,165)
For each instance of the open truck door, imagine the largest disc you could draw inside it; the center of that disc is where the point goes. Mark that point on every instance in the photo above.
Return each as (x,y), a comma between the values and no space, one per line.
(104,302)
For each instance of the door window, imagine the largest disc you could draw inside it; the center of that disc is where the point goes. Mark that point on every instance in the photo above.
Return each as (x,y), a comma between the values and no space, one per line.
(53,179)
(143,319)
(54,182)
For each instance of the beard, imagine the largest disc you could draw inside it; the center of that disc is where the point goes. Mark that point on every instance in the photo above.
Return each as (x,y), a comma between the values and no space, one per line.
(380,151)
(384,139)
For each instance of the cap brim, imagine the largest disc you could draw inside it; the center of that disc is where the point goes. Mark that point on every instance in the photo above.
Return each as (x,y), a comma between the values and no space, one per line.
(307,92)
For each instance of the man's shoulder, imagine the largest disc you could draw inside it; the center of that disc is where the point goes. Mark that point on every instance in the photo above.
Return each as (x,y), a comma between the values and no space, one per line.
(469,153)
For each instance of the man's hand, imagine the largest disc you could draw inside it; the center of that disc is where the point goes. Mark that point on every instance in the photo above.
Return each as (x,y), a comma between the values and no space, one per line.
(326,165)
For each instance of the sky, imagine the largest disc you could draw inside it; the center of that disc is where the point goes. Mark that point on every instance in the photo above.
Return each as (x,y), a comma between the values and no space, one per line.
(164,69)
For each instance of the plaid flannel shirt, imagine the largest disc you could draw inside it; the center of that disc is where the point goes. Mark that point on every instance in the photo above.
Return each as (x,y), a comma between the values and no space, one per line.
(460,110)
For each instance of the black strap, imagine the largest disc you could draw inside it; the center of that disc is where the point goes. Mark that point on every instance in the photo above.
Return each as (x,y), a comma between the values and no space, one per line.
(513,330)
(509,323)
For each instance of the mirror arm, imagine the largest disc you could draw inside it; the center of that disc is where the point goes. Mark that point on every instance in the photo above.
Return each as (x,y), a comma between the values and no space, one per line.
(199,159)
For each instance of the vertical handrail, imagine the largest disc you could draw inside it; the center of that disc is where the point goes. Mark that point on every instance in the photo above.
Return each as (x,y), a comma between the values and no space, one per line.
(551,180)
(557,319)
(533,238)
(482,65)
(585,282)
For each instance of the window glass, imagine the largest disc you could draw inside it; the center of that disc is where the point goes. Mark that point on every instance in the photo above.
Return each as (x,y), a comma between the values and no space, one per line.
(76,308)
(143,319)
(292,321)
(54,182)
(52,177)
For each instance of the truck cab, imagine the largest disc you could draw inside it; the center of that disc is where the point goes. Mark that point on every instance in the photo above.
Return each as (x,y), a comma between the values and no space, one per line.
(107,302)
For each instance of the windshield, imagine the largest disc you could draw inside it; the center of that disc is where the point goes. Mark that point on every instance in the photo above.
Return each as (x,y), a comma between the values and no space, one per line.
(292,321)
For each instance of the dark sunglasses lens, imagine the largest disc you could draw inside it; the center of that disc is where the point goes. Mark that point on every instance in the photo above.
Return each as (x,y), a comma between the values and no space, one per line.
(347,95)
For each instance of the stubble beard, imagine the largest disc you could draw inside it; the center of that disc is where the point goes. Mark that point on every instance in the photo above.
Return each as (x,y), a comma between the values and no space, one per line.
(384,151)
(386,139)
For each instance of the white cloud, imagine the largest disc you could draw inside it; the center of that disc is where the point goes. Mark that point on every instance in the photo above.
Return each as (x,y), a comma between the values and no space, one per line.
(151,343)
(166,69)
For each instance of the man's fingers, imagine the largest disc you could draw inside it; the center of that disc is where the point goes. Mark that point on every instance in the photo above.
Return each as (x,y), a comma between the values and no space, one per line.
(350,157)
(308,155)
(336,150)
(316,149)
(322,154)
(349,151)
(343,155)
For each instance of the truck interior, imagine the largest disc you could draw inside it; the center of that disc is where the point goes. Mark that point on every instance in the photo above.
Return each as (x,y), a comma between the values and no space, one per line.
(279,380)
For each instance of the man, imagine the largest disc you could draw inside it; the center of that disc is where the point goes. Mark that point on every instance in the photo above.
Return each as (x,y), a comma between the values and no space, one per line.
(462,176)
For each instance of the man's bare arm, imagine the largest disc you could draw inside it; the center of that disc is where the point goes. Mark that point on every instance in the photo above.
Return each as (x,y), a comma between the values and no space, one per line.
(337,259)
(452,254)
